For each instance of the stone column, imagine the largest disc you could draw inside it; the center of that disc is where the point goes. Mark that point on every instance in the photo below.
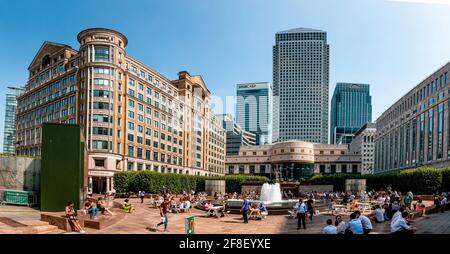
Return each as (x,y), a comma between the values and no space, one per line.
(152,168)
(90,184)
(112,184)
(125,164)
(108,180)
(135,166)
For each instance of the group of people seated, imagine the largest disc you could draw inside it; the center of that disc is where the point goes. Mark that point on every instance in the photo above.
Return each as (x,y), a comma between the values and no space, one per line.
(441,202)
(93,210)
(357,224)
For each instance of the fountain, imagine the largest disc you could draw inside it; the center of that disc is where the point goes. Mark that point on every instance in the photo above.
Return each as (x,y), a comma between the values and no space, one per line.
(270,196)
(270,193)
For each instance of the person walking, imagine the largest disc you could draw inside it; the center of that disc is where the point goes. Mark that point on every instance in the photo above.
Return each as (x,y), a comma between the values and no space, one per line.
(245,208)
(310,207)
(301,214)
(141,196)
(163,212)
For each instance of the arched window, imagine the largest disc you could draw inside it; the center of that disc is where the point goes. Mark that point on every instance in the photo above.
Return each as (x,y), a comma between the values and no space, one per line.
(45,61)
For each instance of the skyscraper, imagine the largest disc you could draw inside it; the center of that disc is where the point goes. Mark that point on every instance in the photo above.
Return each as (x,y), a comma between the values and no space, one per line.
(351,108)
(9,132)
(300,85)
(254,110)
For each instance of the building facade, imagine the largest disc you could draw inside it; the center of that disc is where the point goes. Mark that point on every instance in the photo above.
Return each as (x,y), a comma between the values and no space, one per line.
(254,110)
(293,159)
(415,130)
(236,136)
(9,131)
(300,85)
(364,143)
(351,108)
(204,136)
(132,117)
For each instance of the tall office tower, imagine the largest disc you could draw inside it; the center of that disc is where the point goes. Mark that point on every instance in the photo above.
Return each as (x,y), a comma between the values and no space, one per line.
(254,110)
(131,116)
(236,136)
(9,132)
(300,85)
(351,108)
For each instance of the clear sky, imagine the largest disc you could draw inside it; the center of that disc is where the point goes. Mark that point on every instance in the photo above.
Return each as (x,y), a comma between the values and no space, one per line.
(392,45)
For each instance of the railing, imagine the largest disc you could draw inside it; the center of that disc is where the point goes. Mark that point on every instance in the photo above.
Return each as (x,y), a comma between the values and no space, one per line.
(17,197)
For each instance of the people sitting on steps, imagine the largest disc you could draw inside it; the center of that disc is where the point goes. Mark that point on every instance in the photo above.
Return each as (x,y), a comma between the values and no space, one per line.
(71,216)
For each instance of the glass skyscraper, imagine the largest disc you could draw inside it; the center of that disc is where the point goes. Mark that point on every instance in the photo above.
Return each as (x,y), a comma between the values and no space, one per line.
(300,85)
(351,108)
(9,132)
(254,110)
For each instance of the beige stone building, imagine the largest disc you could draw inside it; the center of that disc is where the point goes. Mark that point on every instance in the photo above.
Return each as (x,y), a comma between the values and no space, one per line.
(293,159)
(131,115)
(205,137)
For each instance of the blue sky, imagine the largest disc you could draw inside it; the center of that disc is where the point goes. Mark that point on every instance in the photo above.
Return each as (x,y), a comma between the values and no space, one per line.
(392,45)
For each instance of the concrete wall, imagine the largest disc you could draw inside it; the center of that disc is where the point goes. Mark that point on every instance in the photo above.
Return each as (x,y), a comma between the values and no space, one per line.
(212,186)
(255,188)
(355,185)
(20,173)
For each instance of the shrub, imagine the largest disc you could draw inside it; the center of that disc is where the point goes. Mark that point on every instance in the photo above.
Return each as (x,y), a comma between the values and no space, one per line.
(420,180)
(446,180)
(337,180)
(155,182)
(123,181)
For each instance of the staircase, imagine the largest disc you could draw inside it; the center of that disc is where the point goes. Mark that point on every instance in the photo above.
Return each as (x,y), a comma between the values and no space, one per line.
(28,227)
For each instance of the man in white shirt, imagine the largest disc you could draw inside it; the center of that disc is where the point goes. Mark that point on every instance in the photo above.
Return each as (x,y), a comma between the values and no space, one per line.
(365,221)
(301,214)
(401,226)
(330,229)
(397,215)
(378,214)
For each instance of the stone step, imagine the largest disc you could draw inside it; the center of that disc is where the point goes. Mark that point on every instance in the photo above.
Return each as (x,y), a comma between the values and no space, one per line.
(45,229)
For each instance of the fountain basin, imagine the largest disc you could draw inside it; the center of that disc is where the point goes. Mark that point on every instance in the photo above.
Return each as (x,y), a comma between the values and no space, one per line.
(273,207)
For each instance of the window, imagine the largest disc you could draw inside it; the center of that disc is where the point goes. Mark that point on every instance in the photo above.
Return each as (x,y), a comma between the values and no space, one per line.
(102,105)
(101,54)
(130,151)
(99,144)
(130,114)
(99,162)
(103,82)
(102,118)
(101,131)
(107,71)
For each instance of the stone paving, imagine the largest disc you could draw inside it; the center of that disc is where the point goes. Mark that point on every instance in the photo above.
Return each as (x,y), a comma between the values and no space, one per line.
(144,216)
(438,223)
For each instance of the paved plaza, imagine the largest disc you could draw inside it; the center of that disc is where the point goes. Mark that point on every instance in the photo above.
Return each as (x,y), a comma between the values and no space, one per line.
(16,220)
